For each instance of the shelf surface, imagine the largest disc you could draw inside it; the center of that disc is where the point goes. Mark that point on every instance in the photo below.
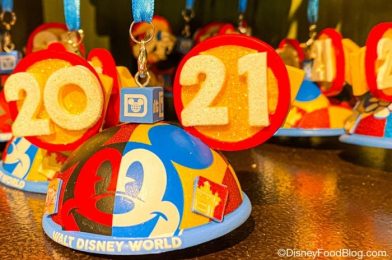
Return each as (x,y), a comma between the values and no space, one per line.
(305,195)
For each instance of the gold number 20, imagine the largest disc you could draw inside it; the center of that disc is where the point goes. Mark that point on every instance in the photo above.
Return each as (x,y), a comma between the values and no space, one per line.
(27,123)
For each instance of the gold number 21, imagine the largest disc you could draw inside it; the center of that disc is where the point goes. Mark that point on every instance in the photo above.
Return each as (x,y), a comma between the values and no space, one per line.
(199,111)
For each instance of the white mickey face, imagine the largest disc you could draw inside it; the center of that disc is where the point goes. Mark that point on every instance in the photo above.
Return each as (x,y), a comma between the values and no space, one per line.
(18,156)
(136,104)
(140,189)
(134,195)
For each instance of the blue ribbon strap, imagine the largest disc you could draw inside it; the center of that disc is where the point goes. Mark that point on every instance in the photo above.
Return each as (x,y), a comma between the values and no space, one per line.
(242,4)
(189,4)
(142,10)
(72,14)
(313,7)
(7,5)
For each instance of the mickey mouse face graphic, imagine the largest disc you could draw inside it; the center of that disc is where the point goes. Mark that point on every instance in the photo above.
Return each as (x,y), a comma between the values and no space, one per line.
(88,202)
(119,199)
(19,157)
(135,186)
(136,104)
(136,202)
(126,185)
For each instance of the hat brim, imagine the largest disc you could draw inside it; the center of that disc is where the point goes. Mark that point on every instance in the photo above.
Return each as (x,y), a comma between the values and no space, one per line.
(303,132)
(7,179)
(88,242)
(370,141)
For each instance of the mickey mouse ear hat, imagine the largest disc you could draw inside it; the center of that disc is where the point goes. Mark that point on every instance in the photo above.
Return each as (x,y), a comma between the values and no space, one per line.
(26,167)
(371,125)
(128,191)
(312,114)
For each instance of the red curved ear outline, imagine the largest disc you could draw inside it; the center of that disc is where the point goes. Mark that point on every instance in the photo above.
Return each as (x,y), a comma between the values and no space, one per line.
(371,60)
(109,68)
(227,29)
(296,45)
(5,116)
(339,79)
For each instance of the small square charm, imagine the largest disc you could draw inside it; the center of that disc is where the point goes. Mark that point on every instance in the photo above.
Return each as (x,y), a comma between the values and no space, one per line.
(141,105)
(52,196)
(209,199)
(8,61)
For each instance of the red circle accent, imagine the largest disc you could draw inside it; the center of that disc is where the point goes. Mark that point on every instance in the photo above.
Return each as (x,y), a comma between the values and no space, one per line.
(211,28)
(74,59)
(278,68)
(339,80)
(371,58)
(109,68)
(227,29)
(296,45)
